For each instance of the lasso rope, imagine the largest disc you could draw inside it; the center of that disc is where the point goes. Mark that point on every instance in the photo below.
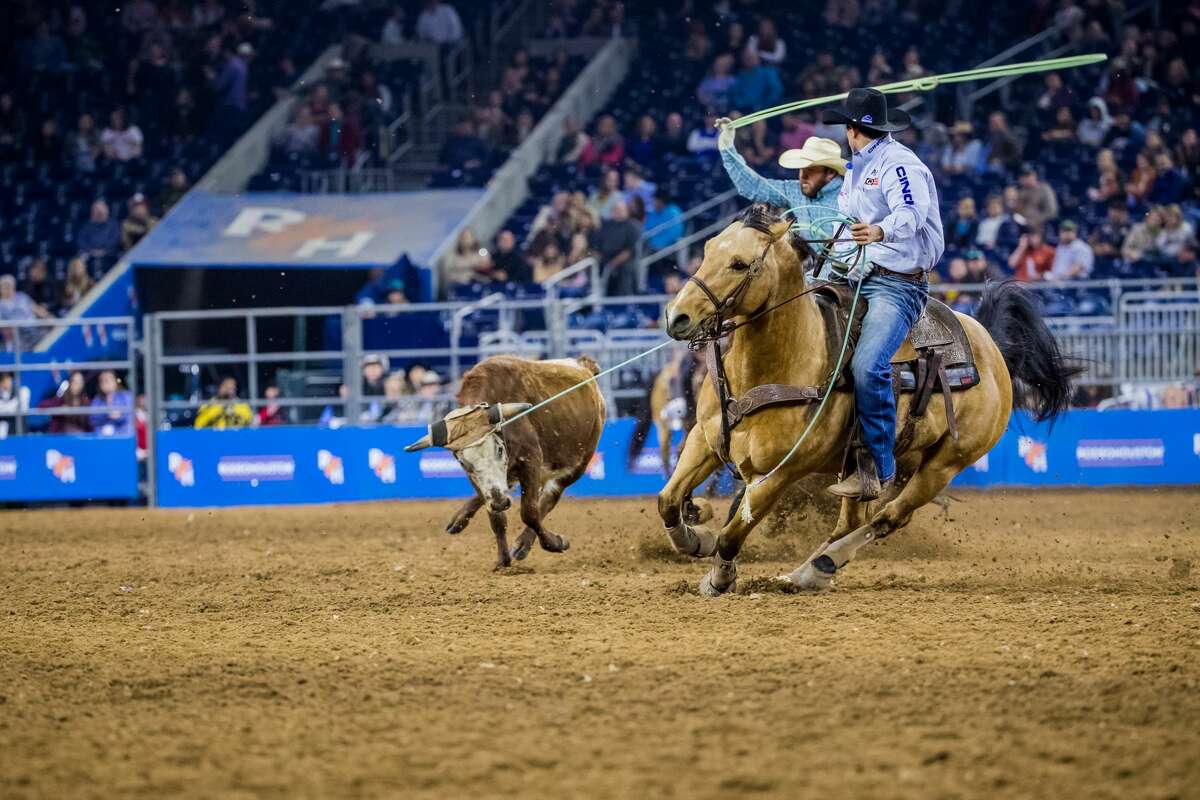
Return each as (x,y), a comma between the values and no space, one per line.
(931,82)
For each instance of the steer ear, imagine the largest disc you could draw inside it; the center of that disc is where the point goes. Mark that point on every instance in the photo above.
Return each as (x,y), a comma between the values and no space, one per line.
(510,410)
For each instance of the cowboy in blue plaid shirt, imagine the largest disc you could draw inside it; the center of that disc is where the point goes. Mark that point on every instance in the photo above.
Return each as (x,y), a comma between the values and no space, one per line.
(812,197)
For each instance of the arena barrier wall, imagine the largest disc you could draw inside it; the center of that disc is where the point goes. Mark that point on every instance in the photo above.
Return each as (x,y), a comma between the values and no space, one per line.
(68,467)
(319,465)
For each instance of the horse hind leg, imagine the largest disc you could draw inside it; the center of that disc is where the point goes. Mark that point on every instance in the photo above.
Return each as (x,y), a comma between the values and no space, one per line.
(926,483)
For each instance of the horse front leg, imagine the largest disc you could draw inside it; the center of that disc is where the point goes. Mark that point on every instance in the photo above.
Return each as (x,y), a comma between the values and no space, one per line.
(752,504)
(696,462)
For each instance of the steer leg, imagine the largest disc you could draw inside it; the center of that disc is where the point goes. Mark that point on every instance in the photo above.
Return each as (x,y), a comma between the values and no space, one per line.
(463,516)
(531,515)
(552,492)
(696,462)
(499,520)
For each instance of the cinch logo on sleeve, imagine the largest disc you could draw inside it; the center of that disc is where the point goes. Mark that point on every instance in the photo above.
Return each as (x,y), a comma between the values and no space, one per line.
(905,189)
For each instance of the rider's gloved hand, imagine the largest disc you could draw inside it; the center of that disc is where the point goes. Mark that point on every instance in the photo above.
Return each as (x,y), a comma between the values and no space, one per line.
(726,135)
(859,272)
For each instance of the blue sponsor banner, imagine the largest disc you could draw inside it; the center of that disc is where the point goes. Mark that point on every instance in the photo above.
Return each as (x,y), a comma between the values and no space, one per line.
(280,229)
(320,465)
(67,467)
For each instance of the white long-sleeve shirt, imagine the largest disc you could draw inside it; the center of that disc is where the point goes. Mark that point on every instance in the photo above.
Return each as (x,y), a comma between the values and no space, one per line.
(440,25)
(887,185)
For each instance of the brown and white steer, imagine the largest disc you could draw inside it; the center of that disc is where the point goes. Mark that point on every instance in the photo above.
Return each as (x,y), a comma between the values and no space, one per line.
(545,451)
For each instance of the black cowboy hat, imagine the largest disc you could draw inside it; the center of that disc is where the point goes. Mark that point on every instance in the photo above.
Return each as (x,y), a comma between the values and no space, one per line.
(867,108)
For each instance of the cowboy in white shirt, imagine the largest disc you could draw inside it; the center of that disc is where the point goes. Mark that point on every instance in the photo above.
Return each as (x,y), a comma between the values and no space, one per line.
(439,23)
(891,194)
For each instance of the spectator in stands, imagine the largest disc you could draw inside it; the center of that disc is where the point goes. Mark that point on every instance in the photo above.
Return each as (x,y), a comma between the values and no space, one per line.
(225,410)
(48,146)
(1141,180)
(756,86)
(228,84)
(636,186)
(643,149)
(40,288)
(574,141)
(1170,184)
(1053,97)
(183,122)
(662,212)
(16,306)
(1176,232)
(1186,264)
(71,394)
(79,282)
(796,131)
(138,221)
(1125,136)
(83,145)
(12,123)
(735,37)
(44,51)
(139,16)
(100,236)
(173,190)
(703,140)
(1033,258)
(12,400)
(118,421)
(698,45)
(301,135)
(1141,243)
(1094,127)
(152,82)
(1004,149)
(961,155)
(1110,184)
(1187,152)
(714,90)
(548,262)
(756,145)
(674,139)
(616,245)
(468,263)
(1108,236)
(393,29)
(1036,200)
(464,154)
(606,146)
(272,413)
(997,229)
(956,274)
(1063,129)
(771,49)
(507,262)
(439,23)
(964,225)
(980,269)
(120,140)
(1073,258)
(606,195)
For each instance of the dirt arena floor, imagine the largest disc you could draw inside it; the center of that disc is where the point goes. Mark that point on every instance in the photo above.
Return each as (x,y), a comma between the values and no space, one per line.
(1015,644)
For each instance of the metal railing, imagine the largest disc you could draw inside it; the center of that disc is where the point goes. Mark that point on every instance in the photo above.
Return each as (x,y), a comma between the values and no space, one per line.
(18,345)
(725,202)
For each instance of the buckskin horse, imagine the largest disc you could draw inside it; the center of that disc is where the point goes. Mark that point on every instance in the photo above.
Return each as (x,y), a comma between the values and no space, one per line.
(773,339)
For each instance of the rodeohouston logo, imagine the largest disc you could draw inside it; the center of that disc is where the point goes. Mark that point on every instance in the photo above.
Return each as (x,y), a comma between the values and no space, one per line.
(1034,453)
(1120,452)
(8,468)
(181,469)
(382,464)
(62,466)
(331,467)
(440,464)
(253,469)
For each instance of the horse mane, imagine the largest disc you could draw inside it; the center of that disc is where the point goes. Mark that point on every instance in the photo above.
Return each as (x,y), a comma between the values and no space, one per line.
(762,216)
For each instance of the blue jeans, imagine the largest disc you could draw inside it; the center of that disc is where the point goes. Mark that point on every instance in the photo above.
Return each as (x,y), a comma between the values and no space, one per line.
(893,305)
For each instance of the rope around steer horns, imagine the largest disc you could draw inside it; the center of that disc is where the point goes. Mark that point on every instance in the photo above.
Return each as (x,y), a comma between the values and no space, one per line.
(931,82)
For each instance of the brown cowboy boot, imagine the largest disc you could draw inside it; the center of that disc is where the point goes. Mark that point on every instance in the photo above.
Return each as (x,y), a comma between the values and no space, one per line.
(853,487)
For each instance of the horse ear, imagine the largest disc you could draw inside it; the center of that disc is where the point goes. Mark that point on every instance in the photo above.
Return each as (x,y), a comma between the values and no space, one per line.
(779,229)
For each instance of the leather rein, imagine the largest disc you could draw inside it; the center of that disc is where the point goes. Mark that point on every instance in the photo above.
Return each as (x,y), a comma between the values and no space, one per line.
(717,327)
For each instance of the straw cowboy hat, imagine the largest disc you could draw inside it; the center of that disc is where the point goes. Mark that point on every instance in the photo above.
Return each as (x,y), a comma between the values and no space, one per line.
(868,108)
(816,152)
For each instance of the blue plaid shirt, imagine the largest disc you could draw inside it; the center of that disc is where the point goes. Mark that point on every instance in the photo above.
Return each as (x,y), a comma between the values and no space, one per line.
(786,194)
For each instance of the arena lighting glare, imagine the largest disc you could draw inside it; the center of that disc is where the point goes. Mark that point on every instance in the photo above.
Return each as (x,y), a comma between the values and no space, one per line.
(930,82)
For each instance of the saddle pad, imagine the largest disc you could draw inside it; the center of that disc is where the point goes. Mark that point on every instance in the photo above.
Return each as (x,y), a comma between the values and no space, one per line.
(960,378)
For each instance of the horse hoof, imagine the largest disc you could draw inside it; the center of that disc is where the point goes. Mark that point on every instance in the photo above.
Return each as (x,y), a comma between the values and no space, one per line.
(815,576)
(553,543)
(722,578)
(502,565)
(456,527)
(519,551)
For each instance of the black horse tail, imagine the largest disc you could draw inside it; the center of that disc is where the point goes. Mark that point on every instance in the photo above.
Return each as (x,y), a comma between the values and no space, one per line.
(1041,374)
(644,413)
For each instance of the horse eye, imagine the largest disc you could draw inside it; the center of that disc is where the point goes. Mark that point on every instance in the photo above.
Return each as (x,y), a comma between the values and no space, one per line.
(739,266)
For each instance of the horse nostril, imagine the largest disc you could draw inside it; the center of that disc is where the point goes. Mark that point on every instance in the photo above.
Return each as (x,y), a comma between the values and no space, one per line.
(680,325)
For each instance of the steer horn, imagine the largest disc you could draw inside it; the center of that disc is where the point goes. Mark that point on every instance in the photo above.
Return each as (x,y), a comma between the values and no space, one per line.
(436,437)
(510,410)
(420,444)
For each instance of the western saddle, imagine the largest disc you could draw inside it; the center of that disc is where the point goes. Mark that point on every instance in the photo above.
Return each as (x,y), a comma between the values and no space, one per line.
(936,355)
